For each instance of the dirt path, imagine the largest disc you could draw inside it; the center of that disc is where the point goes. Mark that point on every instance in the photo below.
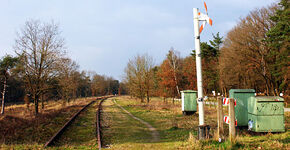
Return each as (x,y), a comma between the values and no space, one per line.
(154,132)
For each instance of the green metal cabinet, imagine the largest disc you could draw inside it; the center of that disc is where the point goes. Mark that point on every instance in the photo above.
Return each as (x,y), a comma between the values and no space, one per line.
(266,114)
(241,110)
(189,103)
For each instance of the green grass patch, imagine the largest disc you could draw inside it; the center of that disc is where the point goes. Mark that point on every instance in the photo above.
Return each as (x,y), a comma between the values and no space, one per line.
(121,128)
(167,122)
(180,132)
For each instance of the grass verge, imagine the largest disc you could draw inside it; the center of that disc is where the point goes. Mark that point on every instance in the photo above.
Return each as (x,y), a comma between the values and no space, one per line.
(120,130)
(180,132)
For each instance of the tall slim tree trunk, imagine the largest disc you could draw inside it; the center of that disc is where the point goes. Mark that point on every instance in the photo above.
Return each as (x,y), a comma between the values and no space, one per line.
(36,99)
(148,99)
(177,88)
(42,102)
(267,89)
(3,96)
(225,92)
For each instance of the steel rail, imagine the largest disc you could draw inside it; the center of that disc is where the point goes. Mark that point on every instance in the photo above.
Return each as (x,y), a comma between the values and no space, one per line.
(98,124)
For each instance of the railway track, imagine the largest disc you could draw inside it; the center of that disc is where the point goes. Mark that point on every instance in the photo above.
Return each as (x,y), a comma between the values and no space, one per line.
(57,135)
(98,124)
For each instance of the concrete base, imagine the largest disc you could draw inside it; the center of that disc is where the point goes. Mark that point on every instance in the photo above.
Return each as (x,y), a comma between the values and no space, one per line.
(203,132)
(188,112)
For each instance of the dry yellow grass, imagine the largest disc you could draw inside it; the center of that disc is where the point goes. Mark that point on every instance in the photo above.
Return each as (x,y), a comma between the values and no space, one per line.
(19,125)
(25,112)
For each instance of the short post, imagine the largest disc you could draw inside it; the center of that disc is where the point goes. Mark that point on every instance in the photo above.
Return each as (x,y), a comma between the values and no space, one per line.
(220,121)
(232,126)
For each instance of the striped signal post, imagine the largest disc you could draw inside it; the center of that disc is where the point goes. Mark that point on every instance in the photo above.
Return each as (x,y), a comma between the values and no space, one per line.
(227,120)
(230,120)
(197,30)
(226,101)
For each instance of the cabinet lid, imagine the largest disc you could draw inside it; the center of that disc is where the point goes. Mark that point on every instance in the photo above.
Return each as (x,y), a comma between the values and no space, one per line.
(188,91)
(242,91)
(269,99)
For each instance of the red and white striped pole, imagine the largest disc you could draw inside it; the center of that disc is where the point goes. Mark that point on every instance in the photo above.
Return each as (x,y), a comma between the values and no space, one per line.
(227,120)
(226,101)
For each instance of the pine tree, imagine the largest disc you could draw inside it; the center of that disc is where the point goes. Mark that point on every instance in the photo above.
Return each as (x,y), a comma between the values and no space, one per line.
(278,41)
(217,41)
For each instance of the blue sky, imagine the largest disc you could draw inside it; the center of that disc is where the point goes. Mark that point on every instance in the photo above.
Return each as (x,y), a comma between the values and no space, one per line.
(102,35)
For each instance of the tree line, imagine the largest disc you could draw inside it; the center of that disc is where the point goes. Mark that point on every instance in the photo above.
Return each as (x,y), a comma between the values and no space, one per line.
(41,70)
(254,54)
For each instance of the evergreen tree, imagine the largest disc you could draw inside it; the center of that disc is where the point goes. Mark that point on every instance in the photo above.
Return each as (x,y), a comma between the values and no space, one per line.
(217,41)
(210,55)
(278,41)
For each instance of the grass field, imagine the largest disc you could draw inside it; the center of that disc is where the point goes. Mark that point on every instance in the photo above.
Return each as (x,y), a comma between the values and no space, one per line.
(180,132)
(121,129)
(21,130)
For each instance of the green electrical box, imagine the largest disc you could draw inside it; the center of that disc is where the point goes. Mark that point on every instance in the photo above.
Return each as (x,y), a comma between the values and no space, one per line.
(242,96)
(266,114)
(189,103)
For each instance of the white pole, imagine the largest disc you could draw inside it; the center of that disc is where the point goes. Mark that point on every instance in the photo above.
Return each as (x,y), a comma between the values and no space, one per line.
(198,66)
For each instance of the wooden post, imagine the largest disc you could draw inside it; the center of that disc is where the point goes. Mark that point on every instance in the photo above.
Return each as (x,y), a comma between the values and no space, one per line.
(232,126)
(220,121)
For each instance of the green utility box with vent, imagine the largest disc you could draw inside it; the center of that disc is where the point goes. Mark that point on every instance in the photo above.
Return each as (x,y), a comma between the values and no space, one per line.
(189,103)
(266,114)
(242,96)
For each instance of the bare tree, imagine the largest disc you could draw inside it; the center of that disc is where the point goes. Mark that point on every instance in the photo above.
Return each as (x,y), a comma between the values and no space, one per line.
(98,85)
(40,47)
(139,76)
(66,79)
(148,76)
(174,62)
(244,61)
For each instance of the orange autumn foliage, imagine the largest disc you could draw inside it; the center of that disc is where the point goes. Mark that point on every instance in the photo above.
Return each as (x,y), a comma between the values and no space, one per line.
(189,72)
(167,82)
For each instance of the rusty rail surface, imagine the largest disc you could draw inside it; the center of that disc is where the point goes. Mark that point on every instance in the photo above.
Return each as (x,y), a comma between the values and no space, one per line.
(98,124)
(59,132)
